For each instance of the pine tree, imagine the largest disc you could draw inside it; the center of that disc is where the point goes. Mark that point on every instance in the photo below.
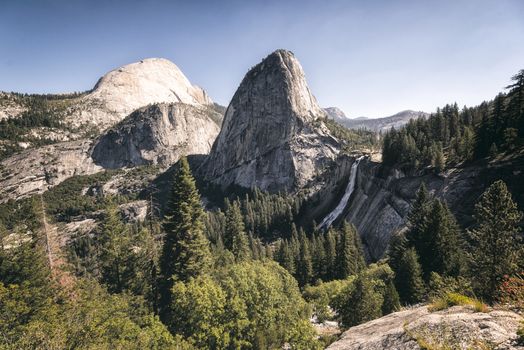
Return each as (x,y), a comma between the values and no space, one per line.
(286,258)
(445,246)
(363,303)
(185,252)
(3,235)
(398,244)
(294,243)
(439,161)
(319,256)
(304,268)
(496,239)
(235,238)
(330,247)
(408,278)
(349,260)
(516,103)
(417,235)
(112,242)
(391,298)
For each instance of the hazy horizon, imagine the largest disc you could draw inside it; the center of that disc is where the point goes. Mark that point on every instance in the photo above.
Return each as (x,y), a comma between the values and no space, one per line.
(370,59)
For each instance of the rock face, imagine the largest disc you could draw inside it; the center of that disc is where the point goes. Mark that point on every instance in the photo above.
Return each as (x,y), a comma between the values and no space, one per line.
(123,90)
(272,136)
(34,171)
(457,328)
(9,107)
(381,200)
(159,135)
(336,114)
(187,123)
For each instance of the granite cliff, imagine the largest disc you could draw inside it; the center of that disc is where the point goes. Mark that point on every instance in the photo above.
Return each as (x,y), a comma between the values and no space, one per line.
(272,136)
(158,135)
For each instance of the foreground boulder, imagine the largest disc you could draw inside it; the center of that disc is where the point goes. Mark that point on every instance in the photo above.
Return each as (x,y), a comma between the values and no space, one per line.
(454,328)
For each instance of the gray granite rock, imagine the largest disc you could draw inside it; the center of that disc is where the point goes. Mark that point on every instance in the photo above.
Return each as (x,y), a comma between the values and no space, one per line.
(157,135)
(454,328)
(272,136)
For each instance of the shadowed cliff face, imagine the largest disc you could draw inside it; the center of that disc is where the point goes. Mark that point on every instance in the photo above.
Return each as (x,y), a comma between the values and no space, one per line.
(380,203)
(158,134)
(271,136)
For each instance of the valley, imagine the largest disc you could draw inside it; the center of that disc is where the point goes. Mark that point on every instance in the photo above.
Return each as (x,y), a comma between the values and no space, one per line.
(186,225)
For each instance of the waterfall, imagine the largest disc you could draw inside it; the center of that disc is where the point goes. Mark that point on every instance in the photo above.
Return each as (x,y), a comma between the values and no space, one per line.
(328,220)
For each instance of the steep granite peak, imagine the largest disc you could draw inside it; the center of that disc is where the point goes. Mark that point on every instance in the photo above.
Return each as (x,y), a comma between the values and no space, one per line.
(125,89)
(285,79)
(272,136)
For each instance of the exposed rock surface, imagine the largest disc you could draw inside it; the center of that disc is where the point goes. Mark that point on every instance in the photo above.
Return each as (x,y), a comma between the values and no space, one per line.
(159,135)
(134,211)
(271,136)
(380,203)
(336,114)
(34,171)
(9,106)
(156,134)
(123,90)
(457,327)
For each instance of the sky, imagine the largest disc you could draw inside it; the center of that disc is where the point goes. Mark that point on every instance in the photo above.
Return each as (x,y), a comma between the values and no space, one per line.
(370,58)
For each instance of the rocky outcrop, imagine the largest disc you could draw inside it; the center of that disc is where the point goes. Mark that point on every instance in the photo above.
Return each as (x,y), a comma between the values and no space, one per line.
(159,135)
(123,90)
(272,136)
(454,328)
(34,171)
(10,106)
(381,200)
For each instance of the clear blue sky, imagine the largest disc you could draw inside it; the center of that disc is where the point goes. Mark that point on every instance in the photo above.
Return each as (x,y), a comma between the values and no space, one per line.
(370,58)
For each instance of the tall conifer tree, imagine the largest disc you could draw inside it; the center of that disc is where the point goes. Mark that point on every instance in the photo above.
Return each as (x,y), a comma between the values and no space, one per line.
(185,252)
(496,239)
(235,238)
(408,278)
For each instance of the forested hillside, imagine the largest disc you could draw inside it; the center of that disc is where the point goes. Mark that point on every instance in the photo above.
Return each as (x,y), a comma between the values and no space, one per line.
(225,279)
(452,136)
(35,120)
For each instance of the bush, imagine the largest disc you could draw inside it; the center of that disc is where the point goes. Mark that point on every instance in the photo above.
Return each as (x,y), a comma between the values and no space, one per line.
(512,291)
(452,299)
(440,285)
(323,295)
(245,305)
(520,334)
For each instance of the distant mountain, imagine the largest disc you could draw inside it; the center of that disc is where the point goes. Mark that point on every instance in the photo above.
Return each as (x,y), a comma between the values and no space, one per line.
(374,124)
(336,114)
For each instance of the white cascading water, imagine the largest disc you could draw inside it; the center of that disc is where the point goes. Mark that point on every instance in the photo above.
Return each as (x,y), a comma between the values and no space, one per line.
(328,220)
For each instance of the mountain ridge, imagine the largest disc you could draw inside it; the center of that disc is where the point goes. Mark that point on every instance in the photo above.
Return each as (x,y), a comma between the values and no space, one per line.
(381,124)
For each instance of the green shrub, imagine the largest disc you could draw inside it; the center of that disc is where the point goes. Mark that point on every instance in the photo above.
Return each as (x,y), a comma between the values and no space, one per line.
(323,295)
(520,334)
(452,299)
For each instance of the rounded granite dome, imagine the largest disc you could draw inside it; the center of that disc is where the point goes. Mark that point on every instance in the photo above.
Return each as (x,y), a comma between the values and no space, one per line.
(152,80)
